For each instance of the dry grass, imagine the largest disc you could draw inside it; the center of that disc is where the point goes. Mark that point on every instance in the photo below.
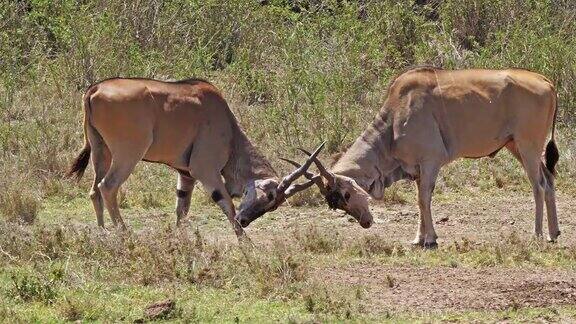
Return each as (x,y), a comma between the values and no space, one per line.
(374,245)
(294,77)
(343,303)
(52,264)
(318,240)
(152,257)
(18,201)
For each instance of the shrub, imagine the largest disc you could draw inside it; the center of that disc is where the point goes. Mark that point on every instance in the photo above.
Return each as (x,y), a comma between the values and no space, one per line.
(18,200)
(318,240)
(293,77)
(30,286)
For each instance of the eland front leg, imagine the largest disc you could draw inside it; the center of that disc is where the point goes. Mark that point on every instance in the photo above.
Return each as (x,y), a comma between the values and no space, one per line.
(426,235)
(184,189)
(214,187)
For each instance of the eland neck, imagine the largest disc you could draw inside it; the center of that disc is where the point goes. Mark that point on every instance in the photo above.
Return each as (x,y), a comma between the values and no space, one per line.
(369,159)
(245,163)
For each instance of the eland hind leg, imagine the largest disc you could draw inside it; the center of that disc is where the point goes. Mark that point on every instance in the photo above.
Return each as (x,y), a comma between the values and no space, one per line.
(124,160)
(101,161)
(529,155)
(550,199)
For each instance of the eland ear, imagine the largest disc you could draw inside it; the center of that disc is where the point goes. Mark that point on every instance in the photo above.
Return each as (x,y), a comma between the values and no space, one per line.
(335,157)
(377,189)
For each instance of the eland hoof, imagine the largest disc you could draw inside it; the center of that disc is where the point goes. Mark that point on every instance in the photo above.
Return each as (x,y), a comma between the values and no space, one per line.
(430,245)
(417,242)
(553,238)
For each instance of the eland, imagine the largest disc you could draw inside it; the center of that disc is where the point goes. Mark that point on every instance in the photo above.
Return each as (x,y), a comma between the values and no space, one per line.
(186,125)
(432,117)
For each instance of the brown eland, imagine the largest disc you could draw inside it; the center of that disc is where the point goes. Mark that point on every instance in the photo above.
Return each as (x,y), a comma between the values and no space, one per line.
(432,117)
(186,125)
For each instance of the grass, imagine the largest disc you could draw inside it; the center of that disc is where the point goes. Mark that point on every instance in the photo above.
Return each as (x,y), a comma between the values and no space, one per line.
(295,73)
(72,271)
(292,78)
(126,303)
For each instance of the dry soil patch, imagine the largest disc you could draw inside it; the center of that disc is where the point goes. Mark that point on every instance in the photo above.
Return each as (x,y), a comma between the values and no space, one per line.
(455,289)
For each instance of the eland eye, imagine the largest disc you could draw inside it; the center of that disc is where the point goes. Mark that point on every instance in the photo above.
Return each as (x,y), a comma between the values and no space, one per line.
(347,196)
(270,196)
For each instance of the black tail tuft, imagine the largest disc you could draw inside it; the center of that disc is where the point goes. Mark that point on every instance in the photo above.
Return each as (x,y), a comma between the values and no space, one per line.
(552,156)
(80,163)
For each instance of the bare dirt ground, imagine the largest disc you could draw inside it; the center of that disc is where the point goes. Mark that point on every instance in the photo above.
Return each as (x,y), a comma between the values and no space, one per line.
(479,219)
(456,289)
(416,282)
(482,218)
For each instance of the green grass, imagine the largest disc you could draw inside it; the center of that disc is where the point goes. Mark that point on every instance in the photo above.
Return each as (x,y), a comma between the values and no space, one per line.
(126,303)
(70,271)
(294,77)
(295,73)
(97,301)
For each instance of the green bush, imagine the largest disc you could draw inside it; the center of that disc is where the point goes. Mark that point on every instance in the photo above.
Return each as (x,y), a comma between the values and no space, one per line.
(36,286)
(295,72)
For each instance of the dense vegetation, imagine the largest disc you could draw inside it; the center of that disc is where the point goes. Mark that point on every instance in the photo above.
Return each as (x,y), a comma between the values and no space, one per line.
(296,72)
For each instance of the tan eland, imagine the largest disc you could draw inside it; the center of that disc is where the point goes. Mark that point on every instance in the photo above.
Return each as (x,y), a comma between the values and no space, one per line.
(432,117)
(186,125)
